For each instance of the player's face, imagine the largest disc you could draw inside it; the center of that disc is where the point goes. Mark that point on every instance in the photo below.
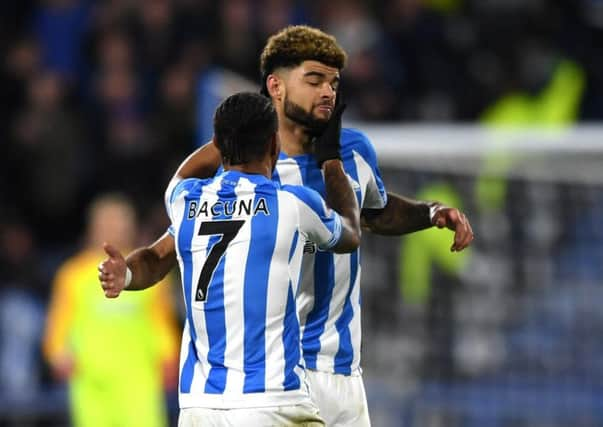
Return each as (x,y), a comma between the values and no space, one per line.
(311,90)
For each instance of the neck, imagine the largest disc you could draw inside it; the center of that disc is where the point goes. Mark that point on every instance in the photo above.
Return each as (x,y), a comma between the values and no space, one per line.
(255,167)
(294,139)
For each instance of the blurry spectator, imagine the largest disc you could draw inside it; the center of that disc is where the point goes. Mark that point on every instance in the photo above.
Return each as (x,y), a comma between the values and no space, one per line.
(114,353)
(173,124)
(277,14)
(60,26)
(239,49)
(21,63)
(371,78)
(430,42)
(156,33)
(22,292)
(46,160)
(123,139)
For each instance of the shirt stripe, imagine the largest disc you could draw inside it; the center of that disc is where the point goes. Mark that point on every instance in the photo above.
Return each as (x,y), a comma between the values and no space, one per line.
(323,276)
(215,316)
(263,232)
(291,343)
(185,235)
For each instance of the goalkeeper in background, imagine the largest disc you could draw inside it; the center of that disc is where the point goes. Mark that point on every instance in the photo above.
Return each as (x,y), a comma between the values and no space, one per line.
(118,356)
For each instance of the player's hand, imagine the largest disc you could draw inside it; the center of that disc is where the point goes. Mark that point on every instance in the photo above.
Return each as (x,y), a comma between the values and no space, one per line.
(112,272)
(455,220)
(326,146)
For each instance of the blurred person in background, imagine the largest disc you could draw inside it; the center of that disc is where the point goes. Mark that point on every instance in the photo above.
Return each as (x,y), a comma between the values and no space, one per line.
(372,74)
(117,355)
(60,27)
(22,296)
(46,137)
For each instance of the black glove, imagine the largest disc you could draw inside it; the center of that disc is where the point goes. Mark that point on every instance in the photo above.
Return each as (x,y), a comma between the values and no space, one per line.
(326,146)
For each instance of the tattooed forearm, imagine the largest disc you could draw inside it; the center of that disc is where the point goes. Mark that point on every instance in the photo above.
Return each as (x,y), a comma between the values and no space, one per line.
(401,215)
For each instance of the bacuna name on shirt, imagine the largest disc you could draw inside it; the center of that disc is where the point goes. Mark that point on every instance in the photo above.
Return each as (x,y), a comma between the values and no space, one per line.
(236,207)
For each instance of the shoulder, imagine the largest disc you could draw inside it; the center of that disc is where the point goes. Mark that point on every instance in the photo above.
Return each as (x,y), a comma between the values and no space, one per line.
(187,186)
(354,137)
(306,195)
(358,141)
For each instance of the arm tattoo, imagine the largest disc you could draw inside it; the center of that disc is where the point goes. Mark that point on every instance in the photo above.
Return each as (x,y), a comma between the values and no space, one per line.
(401,215)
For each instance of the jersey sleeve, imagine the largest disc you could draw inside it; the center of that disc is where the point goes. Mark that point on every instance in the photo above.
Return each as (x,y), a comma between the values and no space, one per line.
(317,222)
(175,188)
(168,195)
(375,193)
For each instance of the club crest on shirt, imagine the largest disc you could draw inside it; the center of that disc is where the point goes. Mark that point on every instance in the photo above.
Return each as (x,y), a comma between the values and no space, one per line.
(310,247)
(237,207)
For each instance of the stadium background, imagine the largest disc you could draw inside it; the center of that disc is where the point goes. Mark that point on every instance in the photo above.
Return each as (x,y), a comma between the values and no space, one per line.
(111,95)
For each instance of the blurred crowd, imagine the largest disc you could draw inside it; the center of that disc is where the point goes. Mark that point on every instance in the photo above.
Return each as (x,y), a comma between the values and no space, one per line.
(99,96)
(103,95)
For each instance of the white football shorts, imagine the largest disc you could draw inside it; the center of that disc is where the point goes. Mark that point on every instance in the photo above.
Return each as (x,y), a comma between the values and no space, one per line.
(341,399)
(300,415)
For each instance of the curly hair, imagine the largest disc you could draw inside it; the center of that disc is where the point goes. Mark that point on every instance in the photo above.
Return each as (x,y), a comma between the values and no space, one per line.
(243,126)
(295,44)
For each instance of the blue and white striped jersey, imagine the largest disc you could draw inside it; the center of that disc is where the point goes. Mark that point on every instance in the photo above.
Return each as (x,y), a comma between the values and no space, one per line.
(239,242)
(329,297)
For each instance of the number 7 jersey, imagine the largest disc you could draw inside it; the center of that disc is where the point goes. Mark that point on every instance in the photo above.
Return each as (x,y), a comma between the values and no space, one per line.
(239,243)
(329,296)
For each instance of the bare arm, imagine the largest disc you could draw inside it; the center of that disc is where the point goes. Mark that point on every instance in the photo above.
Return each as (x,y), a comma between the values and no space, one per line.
(151,264)
(148,265)
(342,199)
(402,215)
(202,163)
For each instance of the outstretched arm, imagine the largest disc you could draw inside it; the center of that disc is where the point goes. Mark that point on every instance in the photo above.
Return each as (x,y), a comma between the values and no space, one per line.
(147,265)
(402,215)
(201,163)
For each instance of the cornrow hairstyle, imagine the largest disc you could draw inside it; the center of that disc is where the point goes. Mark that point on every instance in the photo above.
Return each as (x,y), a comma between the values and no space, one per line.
(244,124)
(296,44)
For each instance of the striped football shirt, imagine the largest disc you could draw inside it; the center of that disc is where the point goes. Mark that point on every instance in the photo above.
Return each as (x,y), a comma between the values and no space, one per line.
(329,297)
(239,242)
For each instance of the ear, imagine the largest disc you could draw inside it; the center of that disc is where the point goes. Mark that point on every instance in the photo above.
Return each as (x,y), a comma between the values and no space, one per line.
(274,84)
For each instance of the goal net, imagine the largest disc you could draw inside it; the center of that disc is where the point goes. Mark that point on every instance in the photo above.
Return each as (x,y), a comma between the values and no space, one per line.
(509,332)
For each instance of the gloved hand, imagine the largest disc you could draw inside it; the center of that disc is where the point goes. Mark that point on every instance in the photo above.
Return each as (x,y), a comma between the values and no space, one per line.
(326,145)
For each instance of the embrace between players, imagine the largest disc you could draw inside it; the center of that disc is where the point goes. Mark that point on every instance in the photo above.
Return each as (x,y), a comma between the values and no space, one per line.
(270,272)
